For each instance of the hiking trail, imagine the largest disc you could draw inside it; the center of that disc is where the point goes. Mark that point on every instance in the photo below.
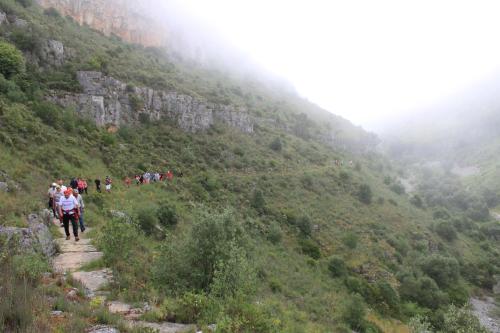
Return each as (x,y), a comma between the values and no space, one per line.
(74,255)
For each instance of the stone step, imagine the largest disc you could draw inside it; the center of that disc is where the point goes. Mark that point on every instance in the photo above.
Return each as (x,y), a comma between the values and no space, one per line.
(93,281)
(74,261)
(164,327)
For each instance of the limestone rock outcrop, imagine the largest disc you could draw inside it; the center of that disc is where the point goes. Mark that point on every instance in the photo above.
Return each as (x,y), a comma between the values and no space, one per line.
(112,17)
(35,238)
(110,102)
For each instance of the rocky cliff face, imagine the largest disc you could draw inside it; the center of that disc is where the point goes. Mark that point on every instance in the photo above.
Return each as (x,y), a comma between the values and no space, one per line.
(112,103)
(117,17)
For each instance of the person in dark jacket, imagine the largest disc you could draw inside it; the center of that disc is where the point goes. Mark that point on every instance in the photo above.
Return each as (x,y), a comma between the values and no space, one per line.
(98,185)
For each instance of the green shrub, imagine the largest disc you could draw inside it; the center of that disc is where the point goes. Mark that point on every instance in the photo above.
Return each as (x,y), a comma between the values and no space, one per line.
(353,312)
(444,270)
(337,267)
(147,219)
(25,3)
(276,145)
(258,202)
(310,248)
(11,60)
(167,215)
(365,194)
(423,290)
(350,240)
(189,308)
(304,225)
(30,266)
(461,320)
(274,233)
(446,230)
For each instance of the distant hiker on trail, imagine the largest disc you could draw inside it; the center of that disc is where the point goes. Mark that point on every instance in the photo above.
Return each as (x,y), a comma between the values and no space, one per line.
(157,177)
(108,182)
(80,186)
(127,182)
(60,182)
(57,197)
(98,185)
(68,211)
(141,179)
(50,193)
(73,183)
(81,206)
(137,180)
(170,175)
(85,185)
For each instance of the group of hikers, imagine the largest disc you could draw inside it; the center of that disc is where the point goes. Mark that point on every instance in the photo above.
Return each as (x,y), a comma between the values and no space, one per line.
(151,177)
(66,202)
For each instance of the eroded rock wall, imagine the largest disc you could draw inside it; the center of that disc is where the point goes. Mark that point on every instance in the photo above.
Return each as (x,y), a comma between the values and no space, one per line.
(110,102)
(118,17)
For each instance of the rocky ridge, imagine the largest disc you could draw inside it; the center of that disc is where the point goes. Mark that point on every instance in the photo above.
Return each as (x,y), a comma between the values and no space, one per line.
(112,17)
(110,102)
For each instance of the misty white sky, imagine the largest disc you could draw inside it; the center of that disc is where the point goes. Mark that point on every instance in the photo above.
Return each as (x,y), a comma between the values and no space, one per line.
(363,59)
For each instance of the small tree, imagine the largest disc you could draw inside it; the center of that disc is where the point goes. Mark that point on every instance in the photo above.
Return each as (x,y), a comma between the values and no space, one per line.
(365,194)
(167,215)
(11,60)
(276,145)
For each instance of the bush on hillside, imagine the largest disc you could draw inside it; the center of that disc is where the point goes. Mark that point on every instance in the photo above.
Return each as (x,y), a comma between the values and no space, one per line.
(353,312)
(147,219)
(337,267)
(461,320)
(276,145)
(215,242)
(423,291)
(258,202)
(11,60)
(444,270)
(350,240)
(25,3)
(310,248)
(304,225)
(167,215)
(417,201)
(365,194)
(446,230)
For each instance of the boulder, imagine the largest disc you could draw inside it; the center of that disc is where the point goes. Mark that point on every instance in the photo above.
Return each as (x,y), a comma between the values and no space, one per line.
(4,187)
(35,238)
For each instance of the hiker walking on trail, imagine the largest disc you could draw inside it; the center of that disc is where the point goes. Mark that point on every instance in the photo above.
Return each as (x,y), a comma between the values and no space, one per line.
(108,182)
(85,186)
(81,206)
(68,210)
(98,185)
(170,175)
(73,183)
(80,186)
(127,182)
(60,182)
(50,193)
(57,197)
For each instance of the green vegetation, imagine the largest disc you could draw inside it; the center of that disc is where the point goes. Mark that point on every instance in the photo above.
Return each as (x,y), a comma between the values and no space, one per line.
(263,233)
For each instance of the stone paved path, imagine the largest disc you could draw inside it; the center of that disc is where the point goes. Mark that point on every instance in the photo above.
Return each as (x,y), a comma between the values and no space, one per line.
(74,255)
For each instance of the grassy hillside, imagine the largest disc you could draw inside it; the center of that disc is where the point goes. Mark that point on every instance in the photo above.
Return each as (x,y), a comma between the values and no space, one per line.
(263,233)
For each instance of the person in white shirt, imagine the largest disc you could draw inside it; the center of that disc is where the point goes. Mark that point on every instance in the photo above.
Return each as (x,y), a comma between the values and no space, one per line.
(81,206)
(68,210)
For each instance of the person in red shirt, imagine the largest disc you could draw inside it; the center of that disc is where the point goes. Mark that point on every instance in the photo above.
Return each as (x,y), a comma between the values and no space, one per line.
(127,182)
(80,185)
(170,175)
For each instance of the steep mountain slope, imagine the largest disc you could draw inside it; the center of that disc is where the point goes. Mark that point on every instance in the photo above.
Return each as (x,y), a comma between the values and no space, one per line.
(270,228)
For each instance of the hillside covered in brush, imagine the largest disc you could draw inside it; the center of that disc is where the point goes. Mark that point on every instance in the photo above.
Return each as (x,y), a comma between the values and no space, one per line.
(281,217)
